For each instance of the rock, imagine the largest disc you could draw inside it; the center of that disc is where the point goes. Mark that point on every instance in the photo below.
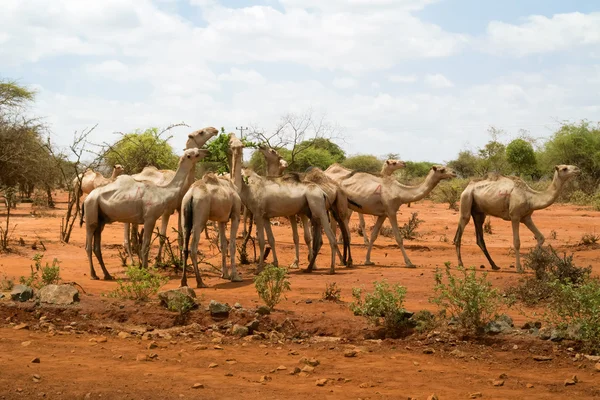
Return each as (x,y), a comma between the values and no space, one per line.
(529,386)
(21,293)
(545,333)
(307,369)
(1,295)
(433,397)
(365,385)
(557,335)
(296,370)
(350,353)
(124,335)
(281,368)
(321,382)
(59,294)
(498,382)
(457,353)
(35,360)
(197,386)
(597,367)
(172,299)
(240,330)
(264,379)
(263,310)
(141,357)
(542,358)
(592,358)
(237,306)
(21,326)
(503,324)
(503,376)
(475,395)
(26,343)
(572,381)
(313,362)
(152,345)
(101,339)
(428,350)
(36,378)
(213,365)
(252,326)
(218,309)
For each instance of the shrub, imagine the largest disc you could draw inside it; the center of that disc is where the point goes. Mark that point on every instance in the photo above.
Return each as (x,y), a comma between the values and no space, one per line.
(470,300)
(580,198)
(409,230)
(6,284)
(589,239)
(424,320)
(270,284)
(487,226)
(384,303)
(577,307)
(332,292)
(50,273)
(449,191)
(182,304)
(141,284)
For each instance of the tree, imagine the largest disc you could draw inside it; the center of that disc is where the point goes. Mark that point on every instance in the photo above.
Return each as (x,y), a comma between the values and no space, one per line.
(140,149)
(466,164)
(493,154)
(363,163)
(219,158)
(521,156)
(417,169)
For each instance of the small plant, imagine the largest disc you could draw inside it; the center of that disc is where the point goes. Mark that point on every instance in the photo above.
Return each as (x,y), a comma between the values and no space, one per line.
(449,192)
(553,234)
(487,226)
(271,283)
(580,198)
(386,231)
(7,284)
(470,300)
(50,273)
(409,230)
(424,320)
(182,304)
(384,303)
(444,238)
(577,307)
(332,292)
(141,284)
(589,239)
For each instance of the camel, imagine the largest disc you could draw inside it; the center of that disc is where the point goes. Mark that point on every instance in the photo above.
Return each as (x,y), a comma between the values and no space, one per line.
(383,196)
(512,200)
(132,201)
(90,180)
(338,173)
(213,198)
(195,140)
(335,198)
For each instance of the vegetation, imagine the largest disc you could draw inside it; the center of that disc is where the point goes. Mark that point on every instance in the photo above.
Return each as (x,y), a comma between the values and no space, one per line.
(182,304)
(384,306)
(449,191)
(409,229)
(521,156)
(332,292)
(467,298)
(271,284)
(363,163)
(50,273)
(141,283)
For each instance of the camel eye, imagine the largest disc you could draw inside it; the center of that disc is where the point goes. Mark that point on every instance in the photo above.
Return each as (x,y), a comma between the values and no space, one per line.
(188,156)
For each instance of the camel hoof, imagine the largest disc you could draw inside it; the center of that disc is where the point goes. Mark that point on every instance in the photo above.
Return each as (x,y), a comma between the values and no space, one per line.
(411,266)
(369,263)
(108,278)
(331,272)
(236,278)
(294,265)
(225,276)
(350,264)
(201,285)
(307,271)
(94,278)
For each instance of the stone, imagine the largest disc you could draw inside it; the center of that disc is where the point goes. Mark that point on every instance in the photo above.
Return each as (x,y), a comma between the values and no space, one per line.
(321,382)
(475,395)
(458,353)
(350,353)
(503,376)
(592,358)
(237,306)
(557,335)
(26,343)
(1,295)
(252,326)
(597,367)
(281,368)
(296,370)
(529,386)
(313,362)
(263,310)
(152,345)
(428,350)
(545,333)
(264,379)
(59,294)
(503,324)
(542,358)
(21,293)
(218,309)
(240,330)
(213,365)
(197,386)
(36,378)
(433,397)
(572,381)
(21,326)
(141,357)
(307,369)
(124,335)
(498,382)
(171,299)
(35,360)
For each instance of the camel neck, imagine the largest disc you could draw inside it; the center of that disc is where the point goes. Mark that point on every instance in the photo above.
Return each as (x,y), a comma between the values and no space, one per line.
(181,176)
(236,169)
(410,194)
(547,197)
(273,169)
(114,174)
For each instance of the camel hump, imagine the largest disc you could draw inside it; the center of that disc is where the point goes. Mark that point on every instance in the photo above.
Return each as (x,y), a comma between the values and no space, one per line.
(292,177)
(210,177)
(316,175)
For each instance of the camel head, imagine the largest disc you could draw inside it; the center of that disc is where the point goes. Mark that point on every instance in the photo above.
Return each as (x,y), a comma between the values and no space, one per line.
(282,165)
(392,165)
(566,172)
(269,153)
(118,169)
(440,172)
(198,138)
(191,156)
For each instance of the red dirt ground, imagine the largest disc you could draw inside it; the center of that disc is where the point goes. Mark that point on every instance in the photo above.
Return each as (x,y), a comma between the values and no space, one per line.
(75,366)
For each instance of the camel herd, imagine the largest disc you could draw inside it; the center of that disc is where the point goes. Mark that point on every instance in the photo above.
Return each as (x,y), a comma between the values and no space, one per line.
(322,199)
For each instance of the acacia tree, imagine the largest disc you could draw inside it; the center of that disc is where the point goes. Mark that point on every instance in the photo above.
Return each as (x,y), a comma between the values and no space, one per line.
(521,156)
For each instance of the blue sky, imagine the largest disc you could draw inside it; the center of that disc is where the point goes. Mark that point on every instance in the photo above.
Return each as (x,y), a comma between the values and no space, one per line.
(422,78)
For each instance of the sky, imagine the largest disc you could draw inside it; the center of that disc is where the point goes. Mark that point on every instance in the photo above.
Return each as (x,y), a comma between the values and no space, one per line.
(420,78)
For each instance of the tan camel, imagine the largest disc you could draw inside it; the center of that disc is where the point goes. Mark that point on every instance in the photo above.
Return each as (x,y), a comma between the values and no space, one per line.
(383,196)
(90,180)
(337,172)
(213,198)
(512,200)
(195,140)
(135,202)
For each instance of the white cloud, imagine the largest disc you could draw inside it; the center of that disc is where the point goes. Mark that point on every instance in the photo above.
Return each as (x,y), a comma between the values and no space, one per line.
(438,81)
(344,83)
(403,78)
(540,34)
(239,75)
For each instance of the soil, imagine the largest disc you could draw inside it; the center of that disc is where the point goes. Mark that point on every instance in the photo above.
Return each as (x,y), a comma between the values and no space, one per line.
(81,355)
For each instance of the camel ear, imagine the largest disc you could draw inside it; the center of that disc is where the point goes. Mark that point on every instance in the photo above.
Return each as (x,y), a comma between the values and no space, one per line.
(434,168)
(190,136)
(556,167)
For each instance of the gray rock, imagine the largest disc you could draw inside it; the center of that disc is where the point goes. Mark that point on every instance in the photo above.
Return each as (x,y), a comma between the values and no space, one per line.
(1,295)
(21,293)
(503,324)
(263,310)
(218,309)
(240,330)
(59,294)
(237,306)
(545,334)
(557,335)
(252,326)
(168,298)
(506,320)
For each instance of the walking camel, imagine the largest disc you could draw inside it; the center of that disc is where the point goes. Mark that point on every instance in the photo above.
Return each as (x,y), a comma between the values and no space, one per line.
(90,180)
(216,199)
(132,201)
(195,140)
(509,198)
(383,196)
(337,172)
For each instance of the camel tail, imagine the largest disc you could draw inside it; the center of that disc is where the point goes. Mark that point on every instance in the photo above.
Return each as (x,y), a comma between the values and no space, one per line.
(341,208)
(355,204)
(82,214)
(188,221)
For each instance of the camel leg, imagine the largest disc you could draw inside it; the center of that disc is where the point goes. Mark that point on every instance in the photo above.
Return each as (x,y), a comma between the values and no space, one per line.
(185,250)
(331,237)
(260,233)
(462,223)
(126,241)
(271,240)
(235,223)
(363,227)
(294,225)
(340,239)
(98,250)
(148,228)
(478,221)
(306,227)
(196,233)
(164,223)
(538,235)
(89,243)
(394,222)
(517,244)
(223,246)
(374,235)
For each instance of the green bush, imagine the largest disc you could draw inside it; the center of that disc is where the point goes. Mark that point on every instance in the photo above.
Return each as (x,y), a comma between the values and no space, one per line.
(424,320)
(141,284)
(363,163)
(409,230)
(50,273)
(577,307)
(470,300)
(385,304)
(449,191)
(332,292)
(270,284)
